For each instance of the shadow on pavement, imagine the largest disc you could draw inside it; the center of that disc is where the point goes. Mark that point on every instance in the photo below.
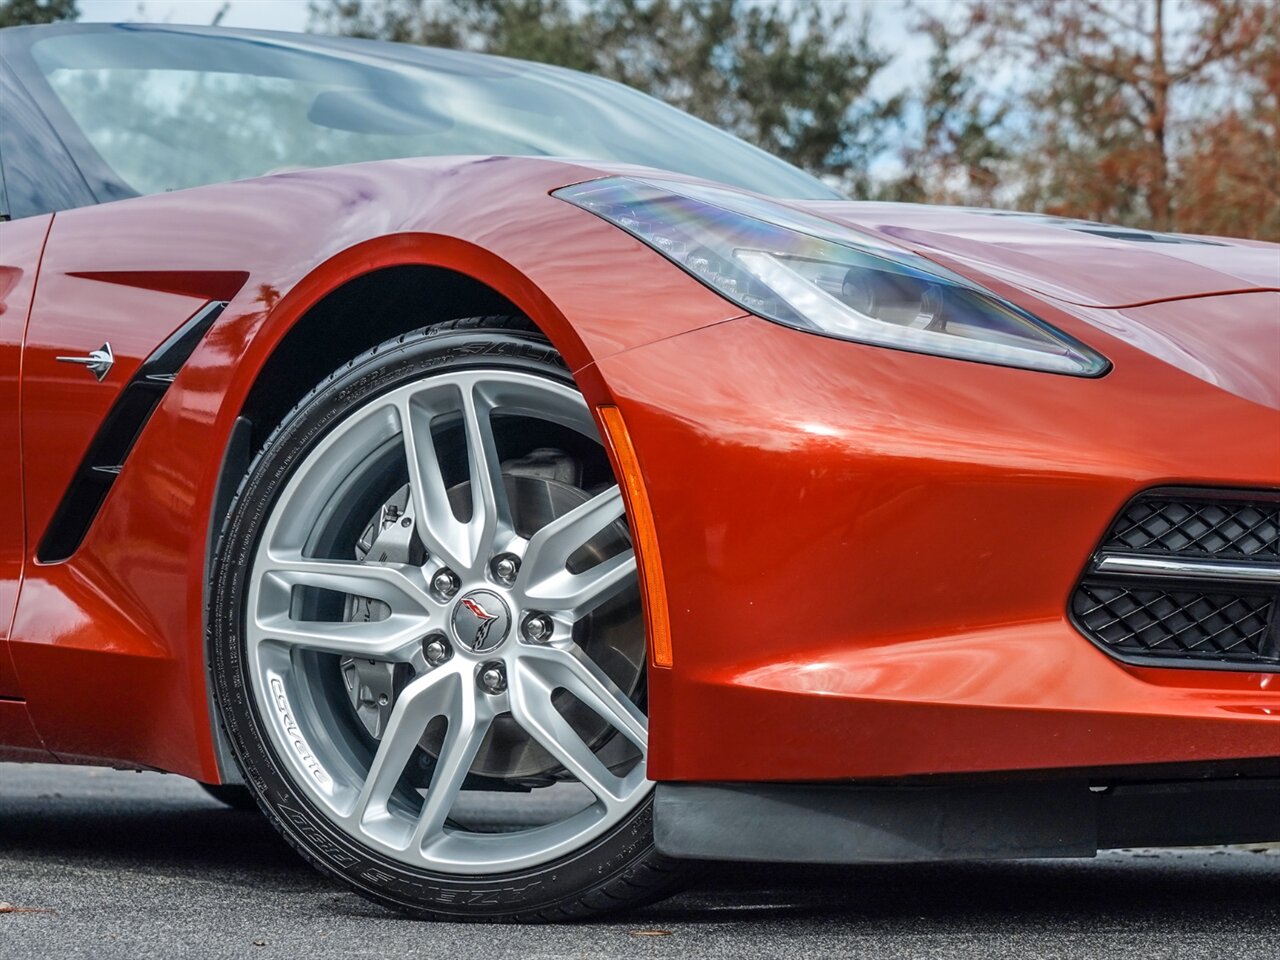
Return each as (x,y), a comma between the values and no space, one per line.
(1197,892)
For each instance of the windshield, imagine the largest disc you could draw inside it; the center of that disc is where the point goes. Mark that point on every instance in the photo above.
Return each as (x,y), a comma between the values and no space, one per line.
(167,109)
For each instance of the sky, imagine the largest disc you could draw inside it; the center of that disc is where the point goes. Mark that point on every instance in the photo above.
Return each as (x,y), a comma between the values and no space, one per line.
(263,14)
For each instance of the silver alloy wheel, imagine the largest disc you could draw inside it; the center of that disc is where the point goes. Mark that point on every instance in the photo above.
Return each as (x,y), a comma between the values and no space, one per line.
(495,666)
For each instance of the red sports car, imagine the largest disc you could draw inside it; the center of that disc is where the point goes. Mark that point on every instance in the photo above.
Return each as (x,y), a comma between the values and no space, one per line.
(519,487)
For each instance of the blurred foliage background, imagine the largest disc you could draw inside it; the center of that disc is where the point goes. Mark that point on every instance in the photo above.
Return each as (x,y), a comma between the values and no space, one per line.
(1163,114)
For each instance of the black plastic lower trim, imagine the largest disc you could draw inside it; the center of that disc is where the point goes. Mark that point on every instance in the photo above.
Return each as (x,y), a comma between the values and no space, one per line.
(898,823)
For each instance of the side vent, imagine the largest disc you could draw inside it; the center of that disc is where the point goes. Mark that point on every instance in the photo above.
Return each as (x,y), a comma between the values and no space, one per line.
(120,429)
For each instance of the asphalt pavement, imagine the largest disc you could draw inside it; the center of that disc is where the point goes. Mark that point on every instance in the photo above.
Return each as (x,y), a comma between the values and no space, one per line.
(103,864)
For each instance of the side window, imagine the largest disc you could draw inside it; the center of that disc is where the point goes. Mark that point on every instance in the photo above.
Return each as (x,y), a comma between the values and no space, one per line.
(37,174)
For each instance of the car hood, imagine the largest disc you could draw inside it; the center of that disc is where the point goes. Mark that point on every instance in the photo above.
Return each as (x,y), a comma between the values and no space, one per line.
(1208,307)
(1077,261)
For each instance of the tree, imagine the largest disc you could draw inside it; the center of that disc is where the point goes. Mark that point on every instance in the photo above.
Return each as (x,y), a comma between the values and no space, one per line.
(17,13)
(1118,91)
(957,153)
(1229,175)
(791,77)
(548,31)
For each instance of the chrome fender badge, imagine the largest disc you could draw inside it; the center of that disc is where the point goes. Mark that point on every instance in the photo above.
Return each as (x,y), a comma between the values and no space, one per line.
(98,362)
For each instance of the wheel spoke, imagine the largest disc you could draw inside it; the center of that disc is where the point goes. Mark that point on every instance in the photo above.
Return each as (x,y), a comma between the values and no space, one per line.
(532,708)
(469,718)
(577,594)
(443,534)
(545,578)
(577,673)
(392,638)
(551,547)
(463,545)
(379,640)
(398,585)
(490,508)
(428,697)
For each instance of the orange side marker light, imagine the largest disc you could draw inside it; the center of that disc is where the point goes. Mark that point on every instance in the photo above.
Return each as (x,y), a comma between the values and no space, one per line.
(653,587)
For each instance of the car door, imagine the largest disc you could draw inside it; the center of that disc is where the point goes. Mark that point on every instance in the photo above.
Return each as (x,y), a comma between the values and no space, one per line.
(37,178)
(21,247)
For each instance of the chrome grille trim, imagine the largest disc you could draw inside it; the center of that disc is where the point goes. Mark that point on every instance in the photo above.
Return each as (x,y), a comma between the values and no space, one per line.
(1129,565)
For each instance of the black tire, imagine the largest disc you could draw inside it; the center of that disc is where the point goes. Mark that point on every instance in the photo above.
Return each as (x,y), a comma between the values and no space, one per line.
(619,869)
(234,795)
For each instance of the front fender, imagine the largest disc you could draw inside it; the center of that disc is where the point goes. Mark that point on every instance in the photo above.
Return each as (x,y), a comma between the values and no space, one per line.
(108,643)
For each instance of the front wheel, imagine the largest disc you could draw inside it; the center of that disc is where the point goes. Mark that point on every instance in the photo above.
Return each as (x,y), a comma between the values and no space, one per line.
(427,642)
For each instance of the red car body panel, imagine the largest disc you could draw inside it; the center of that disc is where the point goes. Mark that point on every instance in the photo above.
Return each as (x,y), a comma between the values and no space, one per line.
(19,264)
(868,559)
(23,244)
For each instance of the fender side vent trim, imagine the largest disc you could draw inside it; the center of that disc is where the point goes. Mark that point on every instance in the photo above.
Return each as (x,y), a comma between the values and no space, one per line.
(120,429)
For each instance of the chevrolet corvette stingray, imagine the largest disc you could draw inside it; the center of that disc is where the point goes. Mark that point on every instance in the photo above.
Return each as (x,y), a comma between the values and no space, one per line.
(520,489)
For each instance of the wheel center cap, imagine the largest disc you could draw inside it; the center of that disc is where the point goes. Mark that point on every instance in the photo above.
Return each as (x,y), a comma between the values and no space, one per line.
(481,620)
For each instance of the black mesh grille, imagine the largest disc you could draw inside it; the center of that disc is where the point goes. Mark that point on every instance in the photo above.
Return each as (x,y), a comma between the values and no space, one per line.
(1189,527)
(1183,624)
(1189,619)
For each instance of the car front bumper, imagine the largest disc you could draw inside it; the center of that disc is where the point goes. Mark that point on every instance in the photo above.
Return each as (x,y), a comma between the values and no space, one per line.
(869,556)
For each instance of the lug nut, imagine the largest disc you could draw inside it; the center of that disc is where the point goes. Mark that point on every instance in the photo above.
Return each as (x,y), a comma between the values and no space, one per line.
(506,567)
(446,583)
(492,678)
(538,628)
(436,651)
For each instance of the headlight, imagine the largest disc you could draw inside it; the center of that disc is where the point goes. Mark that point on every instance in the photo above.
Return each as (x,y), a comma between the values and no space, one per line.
(808,273)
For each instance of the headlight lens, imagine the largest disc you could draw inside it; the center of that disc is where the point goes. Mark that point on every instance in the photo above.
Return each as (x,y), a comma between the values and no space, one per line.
(808,273)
